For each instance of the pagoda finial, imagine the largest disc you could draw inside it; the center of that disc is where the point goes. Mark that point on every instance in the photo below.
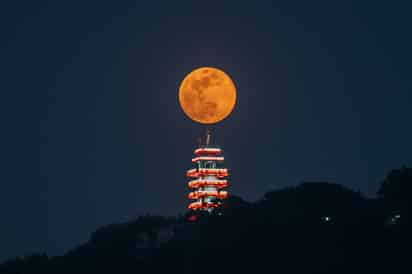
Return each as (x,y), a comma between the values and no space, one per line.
(207,137)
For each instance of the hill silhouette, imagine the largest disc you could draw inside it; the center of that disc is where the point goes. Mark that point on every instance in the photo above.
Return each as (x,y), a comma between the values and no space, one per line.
(315,227)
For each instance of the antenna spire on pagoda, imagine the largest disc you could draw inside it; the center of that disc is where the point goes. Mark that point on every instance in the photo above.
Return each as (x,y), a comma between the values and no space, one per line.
(208,135)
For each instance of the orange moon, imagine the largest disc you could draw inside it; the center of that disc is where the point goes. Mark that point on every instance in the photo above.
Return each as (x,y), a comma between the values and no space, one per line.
(207,95)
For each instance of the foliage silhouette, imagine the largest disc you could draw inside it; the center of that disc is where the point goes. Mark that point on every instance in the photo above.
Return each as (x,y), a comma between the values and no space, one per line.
(315,227)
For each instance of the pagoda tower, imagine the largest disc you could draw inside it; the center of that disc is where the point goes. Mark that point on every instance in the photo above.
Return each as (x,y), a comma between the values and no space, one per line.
(208,177)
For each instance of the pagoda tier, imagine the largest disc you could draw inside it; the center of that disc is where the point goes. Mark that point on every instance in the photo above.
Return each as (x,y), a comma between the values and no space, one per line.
(208,151)
(205,193)
(202,206)
(207,158)
(199,172)
(208,179)
(202,183)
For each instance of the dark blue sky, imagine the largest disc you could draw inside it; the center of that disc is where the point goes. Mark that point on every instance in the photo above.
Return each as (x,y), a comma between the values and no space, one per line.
(91,130)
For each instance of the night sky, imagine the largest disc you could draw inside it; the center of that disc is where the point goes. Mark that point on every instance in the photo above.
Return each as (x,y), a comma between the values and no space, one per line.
(91,129)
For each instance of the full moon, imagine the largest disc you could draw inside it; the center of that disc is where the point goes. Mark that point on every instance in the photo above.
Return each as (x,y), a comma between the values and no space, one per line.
(207,95)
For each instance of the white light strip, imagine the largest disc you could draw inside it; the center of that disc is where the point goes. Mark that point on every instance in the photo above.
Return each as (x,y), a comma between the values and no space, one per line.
(207,158)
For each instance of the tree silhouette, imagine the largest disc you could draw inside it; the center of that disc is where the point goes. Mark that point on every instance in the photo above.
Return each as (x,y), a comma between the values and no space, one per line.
(314,227)
(396,194)
(397,185)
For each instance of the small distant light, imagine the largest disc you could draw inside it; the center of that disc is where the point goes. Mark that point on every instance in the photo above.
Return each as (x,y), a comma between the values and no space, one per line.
(220,214)
(327,218)
(395,219)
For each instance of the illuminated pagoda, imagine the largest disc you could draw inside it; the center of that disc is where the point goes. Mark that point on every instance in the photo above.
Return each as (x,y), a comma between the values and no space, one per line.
(208,178)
